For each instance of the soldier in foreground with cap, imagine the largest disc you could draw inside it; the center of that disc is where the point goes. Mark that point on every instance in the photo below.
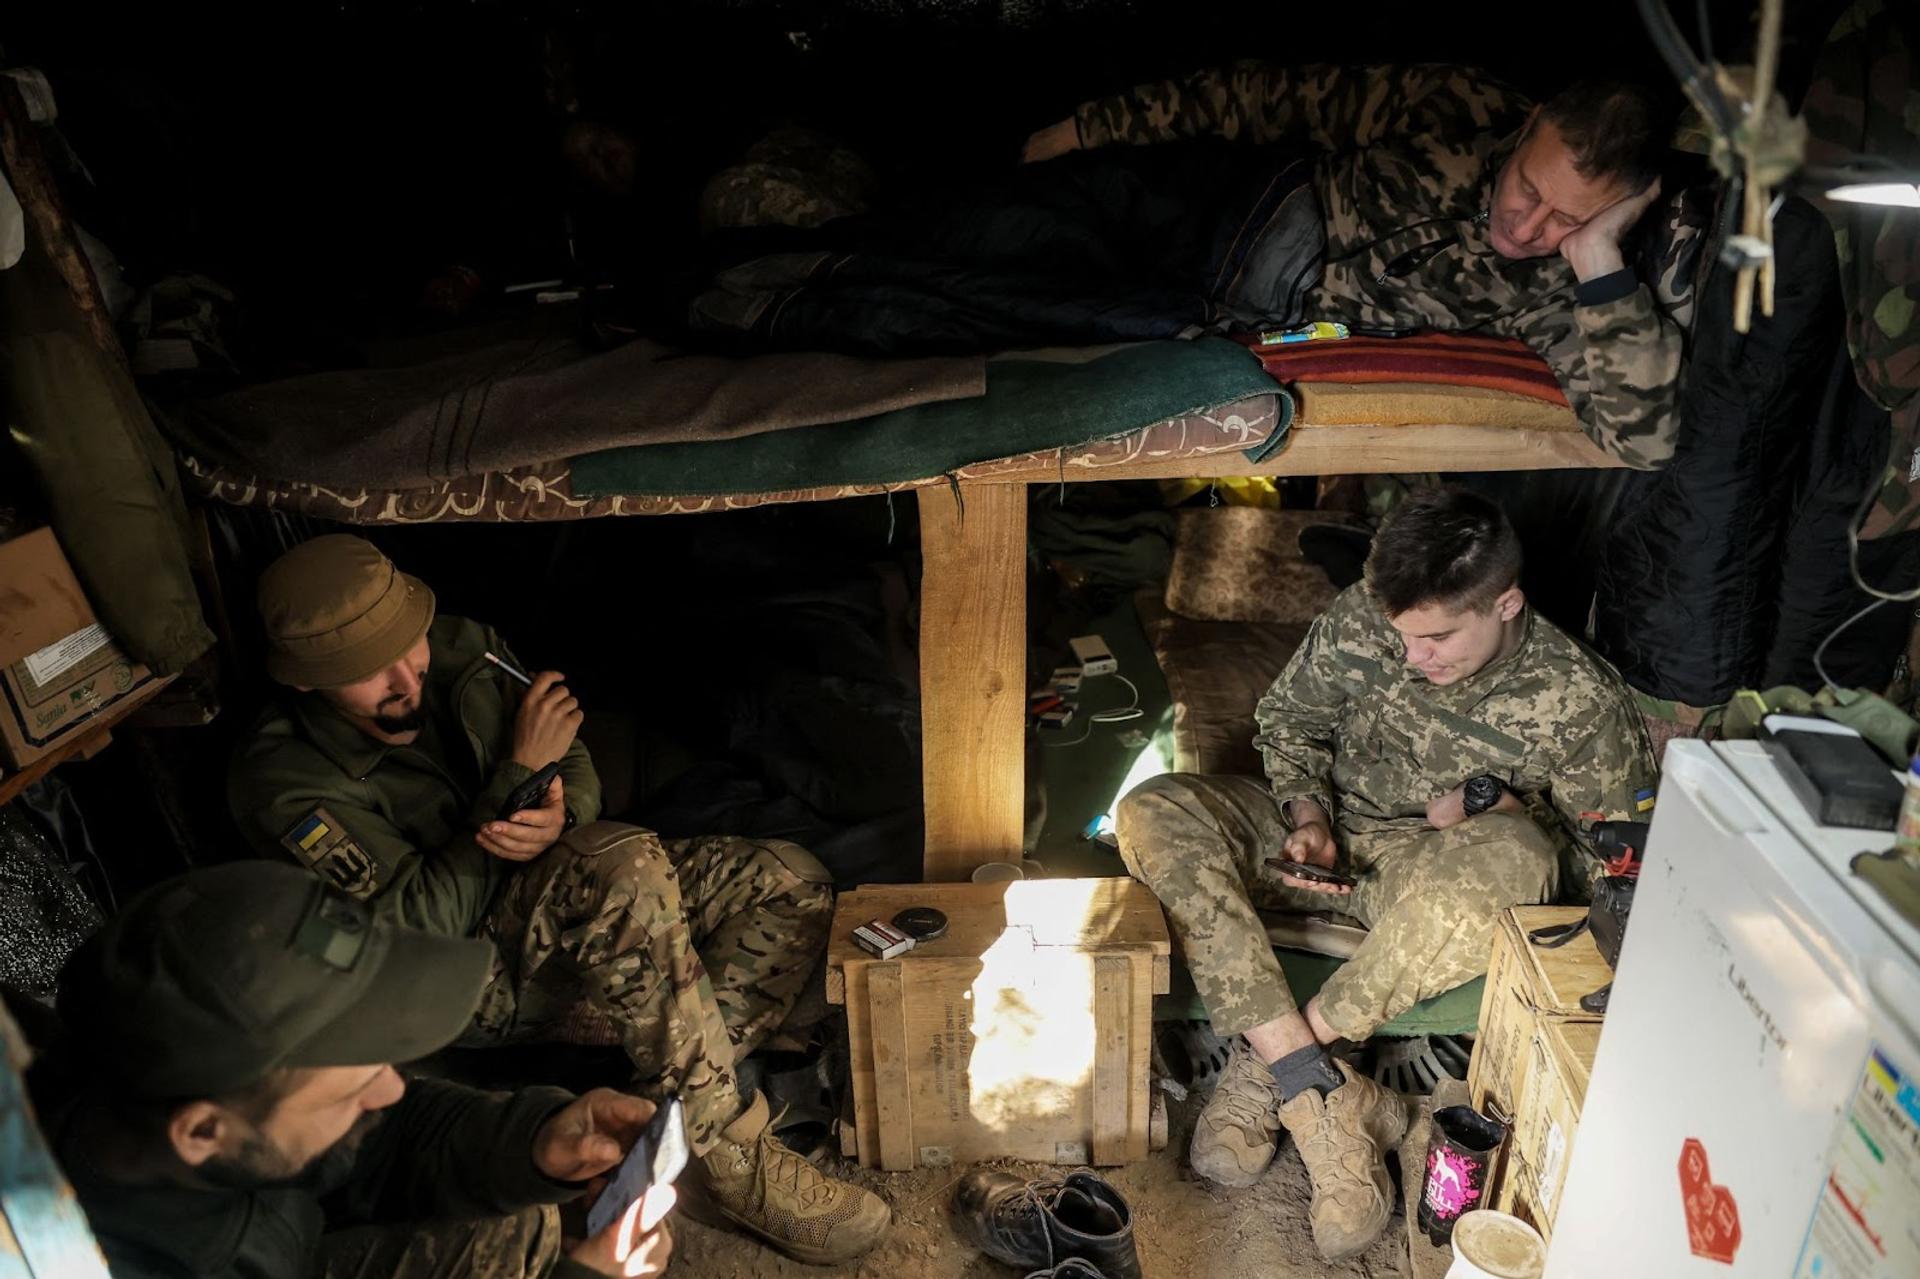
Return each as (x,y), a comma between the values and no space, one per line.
(384,771)
(226,1103)
(1438,742)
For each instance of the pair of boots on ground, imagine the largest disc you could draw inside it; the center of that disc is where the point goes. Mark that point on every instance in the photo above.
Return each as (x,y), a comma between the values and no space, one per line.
(1343,1128)
(1079,1227)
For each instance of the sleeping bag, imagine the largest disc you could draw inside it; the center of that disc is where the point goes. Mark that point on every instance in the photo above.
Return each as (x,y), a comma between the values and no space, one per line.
(1117,244)
(1690,572)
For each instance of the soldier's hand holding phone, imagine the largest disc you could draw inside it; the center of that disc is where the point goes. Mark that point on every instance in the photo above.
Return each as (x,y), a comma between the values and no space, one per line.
(1308,857)
(596,1134)
(638,1245)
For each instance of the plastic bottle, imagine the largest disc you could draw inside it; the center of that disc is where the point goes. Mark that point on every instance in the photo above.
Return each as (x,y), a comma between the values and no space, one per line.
(1906,833)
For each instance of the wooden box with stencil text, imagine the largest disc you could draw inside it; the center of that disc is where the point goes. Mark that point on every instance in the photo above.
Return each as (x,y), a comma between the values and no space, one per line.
(1533,1054)
(1022,1033)
(1543,1132)
(61,674)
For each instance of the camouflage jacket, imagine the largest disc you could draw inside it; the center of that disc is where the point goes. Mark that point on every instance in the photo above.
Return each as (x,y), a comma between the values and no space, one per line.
(1351,726)
(396,823)
(1406,181)
(1864,101)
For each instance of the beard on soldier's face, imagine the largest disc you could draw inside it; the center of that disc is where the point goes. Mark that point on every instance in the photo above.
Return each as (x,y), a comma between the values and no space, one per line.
(259,1164)
(395,716)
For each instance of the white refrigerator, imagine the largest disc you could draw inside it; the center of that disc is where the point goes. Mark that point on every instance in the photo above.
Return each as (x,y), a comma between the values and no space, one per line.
(1754,1107)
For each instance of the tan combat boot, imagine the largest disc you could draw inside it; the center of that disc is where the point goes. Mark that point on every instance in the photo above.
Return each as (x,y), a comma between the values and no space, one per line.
(1344,1138)
(1236,1135)
(751,1180)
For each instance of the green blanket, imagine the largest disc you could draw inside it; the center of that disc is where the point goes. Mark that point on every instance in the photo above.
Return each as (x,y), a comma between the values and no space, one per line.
(1031,404)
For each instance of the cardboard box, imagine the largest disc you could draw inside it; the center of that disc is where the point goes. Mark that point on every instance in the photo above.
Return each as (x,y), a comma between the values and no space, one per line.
(1023,1032)
(1549,1120)
(60,672)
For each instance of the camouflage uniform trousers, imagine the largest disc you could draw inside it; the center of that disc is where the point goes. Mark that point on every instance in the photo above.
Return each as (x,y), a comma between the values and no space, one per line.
(695,948)
(524,1245)
(1429,898)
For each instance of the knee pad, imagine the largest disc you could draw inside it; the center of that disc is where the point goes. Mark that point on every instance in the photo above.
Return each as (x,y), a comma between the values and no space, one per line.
(799,863)
(617,847)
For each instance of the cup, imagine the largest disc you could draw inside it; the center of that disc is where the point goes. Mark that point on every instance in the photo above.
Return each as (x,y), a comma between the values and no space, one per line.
(1460,1149)
(998,873)
(1496,1245)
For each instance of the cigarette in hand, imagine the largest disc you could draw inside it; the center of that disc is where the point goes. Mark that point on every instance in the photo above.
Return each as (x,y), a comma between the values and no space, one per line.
(510,668)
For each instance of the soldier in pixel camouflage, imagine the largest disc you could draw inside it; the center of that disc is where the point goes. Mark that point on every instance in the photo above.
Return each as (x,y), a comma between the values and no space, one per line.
(1430,674)
(385,770)
(1452,203)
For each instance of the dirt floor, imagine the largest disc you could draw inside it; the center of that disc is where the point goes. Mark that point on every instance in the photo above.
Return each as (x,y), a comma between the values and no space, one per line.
(1185,1229)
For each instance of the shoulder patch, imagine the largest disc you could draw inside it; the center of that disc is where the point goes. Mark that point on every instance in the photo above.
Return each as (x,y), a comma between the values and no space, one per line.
(320,842)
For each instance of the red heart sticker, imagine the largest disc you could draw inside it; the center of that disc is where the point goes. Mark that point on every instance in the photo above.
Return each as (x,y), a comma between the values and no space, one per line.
(1713,1219)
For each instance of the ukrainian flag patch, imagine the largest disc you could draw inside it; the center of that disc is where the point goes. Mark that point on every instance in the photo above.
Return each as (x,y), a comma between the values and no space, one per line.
(321,841)
(1643,799)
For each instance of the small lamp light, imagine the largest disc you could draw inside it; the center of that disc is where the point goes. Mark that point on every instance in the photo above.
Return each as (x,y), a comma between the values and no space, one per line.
(1898,194)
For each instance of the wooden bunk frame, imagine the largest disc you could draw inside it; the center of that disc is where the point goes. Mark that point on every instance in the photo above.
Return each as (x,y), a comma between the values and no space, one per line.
(973,540)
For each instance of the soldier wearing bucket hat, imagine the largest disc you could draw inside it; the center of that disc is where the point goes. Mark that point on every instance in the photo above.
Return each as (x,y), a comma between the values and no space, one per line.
(225,1101)
(385,768)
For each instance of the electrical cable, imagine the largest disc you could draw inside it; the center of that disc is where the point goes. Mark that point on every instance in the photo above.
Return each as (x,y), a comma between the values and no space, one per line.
(1695,80)
(1118,715)
(1880,597)
(1124,713)
(1819,654)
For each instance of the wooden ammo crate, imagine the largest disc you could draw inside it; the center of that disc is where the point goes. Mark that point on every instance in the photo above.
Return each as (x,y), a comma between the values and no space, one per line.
(1527,987)
(1549,1119)
(1022,1033)
(1534,1049)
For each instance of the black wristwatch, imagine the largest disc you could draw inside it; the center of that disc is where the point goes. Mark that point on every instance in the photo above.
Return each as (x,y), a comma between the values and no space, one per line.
(1481,793)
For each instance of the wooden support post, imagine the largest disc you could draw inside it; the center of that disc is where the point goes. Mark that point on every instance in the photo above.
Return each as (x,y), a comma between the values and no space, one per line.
(973,627)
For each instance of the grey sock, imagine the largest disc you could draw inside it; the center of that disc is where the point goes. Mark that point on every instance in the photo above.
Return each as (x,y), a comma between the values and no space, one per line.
(1304,1068)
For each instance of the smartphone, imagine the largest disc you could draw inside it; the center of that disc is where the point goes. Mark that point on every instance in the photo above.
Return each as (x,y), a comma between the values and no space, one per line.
(1318,874)
(657,1158)
(530,793)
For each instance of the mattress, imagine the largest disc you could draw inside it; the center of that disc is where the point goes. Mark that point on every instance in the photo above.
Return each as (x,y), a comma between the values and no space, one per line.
(545,491)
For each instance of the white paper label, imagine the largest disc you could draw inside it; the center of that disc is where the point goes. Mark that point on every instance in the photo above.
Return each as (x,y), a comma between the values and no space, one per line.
(46,665)
(1550,1167)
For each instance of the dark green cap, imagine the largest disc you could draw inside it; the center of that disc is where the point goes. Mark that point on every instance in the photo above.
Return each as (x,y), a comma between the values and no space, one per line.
(205,984)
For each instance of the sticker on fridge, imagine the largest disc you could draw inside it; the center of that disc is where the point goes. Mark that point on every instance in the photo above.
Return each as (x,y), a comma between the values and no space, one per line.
(1866,1224)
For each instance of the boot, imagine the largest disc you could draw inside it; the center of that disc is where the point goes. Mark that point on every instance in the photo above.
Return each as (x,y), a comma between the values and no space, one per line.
(1237,1133)
(1071,1268)
(1040,1224)
(750,1180)
(1344,1138)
